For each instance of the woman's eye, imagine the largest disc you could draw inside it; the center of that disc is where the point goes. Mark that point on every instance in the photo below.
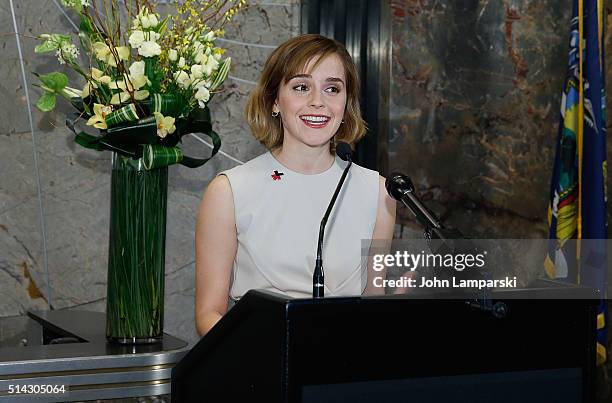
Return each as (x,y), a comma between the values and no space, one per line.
(333,89)
(300,87)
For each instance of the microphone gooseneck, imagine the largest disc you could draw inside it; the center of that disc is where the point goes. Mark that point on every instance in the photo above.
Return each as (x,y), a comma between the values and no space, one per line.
(400,187)
(344,151)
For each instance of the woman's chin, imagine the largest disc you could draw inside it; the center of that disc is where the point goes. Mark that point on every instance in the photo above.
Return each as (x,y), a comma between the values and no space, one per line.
(317,143)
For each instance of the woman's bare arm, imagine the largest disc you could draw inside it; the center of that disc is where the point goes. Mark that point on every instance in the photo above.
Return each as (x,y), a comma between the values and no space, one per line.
(215,244)
(383,230)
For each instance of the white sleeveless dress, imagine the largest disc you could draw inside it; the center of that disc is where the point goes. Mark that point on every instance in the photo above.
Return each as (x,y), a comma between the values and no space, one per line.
(278,212)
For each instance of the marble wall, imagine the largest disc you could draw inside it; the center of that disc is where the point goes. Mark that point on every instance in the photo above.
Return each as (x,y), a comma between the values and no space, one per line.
(475,98)
(54,195)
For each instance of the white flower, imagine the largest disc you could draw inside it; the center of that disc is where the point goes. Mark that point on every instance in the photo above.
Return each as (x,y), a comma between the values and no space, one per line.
(98,120)
(197,71)
(165,124)
(144,20)
(202,95)
(139,38)
(104,53)
(200,58)
(76,4)
(97,76)
(149,49)
(197,46)
(136,39)
(181,62)
(67,53)
(152,36)
(172,55)
(210,36)
(211,65)
(182,79)
(129,84)
(153,21)
(137,69)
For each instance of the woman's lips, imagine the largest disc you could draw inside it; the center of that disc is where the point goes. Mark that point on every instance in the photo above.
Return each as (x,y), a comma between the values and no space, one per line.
(315,125)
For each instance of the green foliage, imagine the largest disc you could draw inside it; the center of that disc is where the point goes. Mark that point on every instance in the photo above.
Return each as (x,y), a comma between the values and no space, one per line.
(88,141)
(53,84)
(46,102)
(135,303)
(55,81)
(163,25)
(221,73)
(154,73)
(51,42)
(86,26)
(86,34)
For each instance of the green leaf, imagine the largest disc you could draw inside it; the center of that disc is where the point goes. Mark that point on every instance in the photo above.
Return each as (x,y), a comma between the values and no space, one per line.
(86,26)
(52,42)
(153,73)
(85,42)
(46,46)
(221,74)
(88,141)
(161,28)
(59,38)
(55,81)
(46,103)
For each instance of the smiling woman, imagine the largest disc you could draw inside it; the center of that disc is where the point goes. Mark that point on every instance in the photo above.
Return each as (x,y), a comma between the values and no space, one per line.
(312,101)
(258,222)
(293,69)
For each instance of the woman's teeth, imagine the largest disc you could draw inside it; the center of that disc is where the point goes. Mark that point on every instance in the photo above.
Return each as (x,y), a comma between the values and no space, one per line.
(315,121)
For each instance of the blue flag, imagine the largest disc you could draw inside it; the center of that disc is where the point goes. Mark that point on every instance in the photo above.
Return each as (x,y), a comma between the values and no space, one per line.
(577,209)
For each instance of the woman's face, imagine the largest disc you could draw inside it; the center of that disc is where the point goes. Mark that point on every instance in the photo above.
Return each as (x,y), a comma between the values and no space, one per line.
(312,105)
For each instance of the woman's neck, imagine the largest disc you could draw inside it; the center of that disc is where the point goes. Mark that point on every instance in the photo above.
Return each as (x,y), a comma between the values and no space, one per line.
(303,159)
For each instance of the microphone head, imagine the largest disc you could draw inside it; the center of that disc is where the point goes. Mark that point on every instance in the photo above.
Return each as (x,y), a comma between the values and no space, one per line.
(398,184)
(344,151)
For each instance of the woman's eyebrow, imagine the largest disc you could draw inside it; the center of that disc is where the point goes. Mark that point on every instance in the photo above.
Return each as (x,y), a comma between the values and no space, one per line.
(334,80)
(329,79)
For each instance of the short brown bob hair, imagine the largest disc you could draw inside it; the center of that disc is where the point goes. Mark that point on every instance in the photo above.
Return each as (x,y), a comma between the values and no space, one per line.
(287,60)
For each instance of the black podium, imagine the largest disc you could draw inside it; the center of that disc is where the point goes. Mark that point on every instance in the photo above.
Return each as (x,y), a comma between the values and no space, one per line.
(271,348)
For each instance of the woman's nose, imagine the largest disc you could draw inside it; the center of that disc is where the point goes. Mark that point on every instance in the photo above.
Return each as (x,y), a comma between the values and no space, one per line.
(316,99)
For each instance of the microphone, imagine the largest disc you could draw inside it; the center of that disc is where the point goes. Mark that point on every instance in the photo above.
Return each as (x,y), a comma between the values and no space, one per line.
(400,187)
(344,151)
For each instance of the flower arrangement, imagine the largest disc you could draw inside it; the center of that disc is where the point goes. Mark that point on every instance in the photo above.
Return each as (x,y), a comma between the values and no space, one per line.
(147,79)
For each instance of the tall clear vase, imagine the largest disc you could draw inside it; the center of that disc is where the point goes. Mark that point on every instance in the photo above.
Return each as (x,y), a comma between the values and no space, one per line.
(137,240)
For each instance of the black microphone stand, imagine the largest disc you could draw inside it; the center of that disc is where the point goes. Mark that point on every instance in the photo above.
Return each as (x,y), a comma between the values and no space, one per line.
(452,240)
(318,278)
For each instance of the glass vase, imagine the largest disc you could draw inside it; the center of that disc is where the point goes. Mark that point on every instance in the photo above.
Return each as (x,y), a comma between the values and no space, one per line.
(137,238)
